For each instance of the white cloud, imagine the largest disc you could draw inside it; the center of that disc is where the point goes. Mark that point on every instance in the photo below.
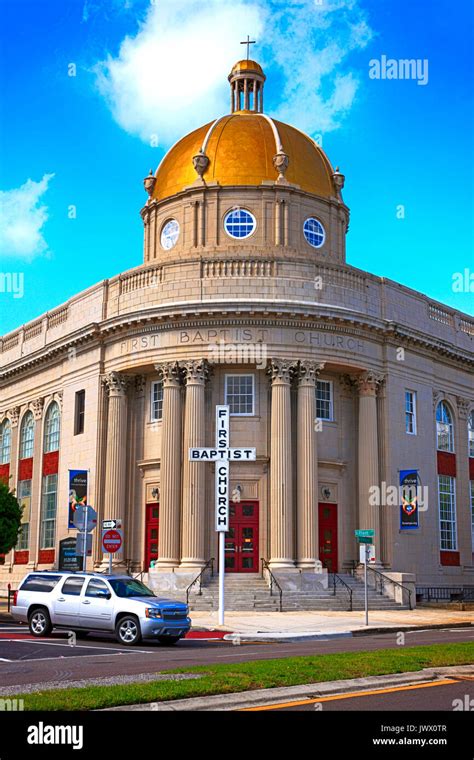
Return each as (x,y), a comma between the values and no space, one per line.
(22,218)
(171,76)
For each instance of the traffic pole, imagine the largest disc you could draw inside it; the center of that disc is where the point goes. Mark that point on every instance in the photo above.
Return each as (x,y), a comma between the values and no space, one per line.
(366,587)
(85,543)
(221,576)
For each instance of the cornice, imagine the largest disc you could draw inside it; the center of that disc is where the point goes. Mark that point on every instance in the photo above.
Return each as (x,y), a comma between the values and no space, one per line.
(296,315)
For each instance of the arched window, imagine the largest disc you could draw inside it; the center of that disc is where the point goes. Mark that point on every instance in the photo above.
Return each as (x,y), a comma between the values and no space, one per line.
(470,433)
(51,428)
(5,441)
(27,436)
(444,428)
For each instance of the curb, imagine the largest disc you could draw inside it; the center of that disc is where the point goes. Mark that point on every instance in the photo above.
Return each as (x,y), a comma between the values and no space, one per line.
(267,697)
(314,636)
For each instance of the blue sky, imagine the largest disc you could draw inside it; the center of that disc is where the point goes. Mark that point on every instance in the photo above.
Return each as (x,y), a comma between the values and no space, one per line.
(87,141)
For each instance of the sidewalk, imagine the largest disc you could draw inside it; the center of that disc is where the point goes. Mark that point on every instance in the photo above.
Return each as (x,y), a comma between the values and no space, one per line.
(290,625)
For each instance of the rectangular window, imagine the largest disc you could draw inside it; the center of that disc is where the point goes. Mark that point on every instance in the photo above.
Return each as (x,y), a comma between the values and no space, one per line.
(471,484)
(48,511)
(24,499)
(324,400)
(156,401)
(447,512)
(410,412)
(240,394)
(79,412)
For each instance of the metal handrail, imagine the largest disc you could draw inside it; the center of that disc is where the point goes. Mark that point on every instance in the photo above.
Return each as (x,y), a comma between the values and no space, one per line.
(210,562)
(385,578)
(337,579)
(273,580)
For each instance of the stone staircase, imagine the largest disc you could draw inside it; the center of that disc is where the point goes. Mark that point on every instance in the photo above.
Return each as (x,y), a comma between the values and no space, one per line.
(251,592)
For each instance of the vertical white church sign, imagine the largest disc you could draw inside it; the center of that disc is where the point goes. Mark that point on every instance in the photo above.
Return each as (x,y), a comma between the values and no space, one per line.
(222,454)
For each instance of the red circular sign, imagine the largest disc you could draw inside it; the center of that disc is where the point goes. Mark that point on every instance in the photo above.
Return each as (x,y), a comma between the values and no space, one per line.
(111,541)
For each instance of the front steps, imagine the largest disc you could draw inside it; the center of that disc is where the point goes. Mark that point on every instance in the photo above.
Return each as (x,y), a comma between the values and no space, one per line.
(247,592)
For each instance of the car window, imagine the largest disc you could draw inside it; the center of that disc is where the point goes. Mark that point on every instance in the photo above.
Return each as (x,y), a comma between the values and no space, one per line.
(44,583)
(125,587)
(73,585)
(95,586)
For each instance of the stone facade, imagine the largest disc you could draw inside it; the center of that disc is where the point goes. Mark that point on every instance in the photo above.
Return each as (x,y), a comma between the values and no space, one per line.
(273,307)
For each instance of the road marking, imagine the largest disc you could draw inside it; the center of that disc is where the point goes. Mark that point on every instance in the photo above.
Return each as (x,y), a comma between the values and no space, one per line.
(334,697)
(3,659)
(76,646)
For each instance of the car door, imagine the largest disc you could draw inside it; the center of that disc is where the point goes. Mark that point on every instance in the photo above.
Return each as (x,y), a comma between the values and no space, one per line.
(66,602)
(95,609)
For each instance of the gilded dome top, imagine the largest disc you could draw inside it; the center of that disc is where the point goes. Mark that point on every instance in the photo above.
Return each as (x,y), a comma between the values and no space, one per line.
(244,148)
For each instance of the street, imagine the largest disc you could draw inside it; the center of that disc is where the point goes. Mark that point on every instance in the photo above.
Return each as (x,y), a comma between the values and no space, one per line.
(26,661)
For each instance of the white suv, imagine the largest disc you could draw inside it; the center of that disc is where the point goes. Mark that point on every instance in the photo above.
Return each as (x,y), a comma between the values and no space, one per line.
(84,602)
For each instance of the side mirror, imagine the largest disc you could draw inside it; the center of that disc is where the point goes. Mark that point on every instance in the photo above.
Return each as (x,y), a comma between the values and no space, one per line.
(104,595)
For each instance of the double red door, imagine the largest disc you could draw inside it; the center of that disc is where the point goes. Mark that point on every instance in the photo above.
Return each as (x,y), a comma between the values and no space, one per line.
(241,541)
(151,533)
(327,523)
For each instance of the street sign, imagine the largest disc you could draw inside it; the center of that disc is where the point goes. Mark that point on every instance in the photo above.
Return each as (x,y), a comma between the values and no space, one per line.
(107,524)
(112,541)
(84,544)
(369,552)
(85,515)
(365,533)
(68,559)
(365,539)
(222,454)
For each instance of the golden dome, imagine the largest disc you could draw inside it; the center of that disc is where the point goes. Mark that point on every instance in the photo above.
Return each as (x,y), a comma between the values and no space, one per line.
(240,149)
(246,65)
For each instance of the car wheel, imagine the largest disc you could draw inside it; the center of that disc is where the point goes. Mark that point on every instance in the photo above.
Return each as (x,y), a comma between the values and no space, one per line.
(127,630)
(167,641)
(40,622)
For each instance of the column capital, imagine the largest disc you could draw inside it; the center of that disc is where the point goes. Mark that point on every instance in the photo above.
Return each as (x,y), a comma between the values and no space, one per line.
(170,373)
(281,370)
(116,383)
(464,407)
(14,416)
(37,407)
(140,383)
(196,370)
(368,383)
(308,372)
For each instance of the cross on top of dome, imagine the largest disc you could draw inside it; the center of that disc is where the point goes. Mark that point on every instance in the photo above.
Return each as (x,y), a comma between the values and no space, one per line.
(248,42)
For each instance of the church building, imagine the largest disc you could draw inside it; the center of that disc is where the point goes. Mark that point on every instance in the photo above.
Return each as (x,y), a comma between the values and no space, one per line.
(357,392)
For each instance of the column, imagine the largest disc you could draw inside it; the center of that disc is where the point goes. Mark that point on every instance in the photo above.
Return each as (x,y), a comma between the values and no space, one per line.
(246,95)
(170,481)
(116,452)
(278,205)
(281,483)
(368,460)
(463,500)
(196,373)
(307,467)
(135,515)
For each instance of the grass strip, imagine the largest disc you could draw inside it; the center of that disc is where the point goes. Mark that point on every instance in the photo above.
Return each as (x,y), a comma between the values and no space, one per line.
(255,674)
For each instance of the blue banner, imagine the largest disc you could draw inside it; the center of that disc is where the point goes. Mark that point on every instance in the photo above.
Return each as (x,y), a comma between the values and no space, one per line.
(77,492)
(409,494)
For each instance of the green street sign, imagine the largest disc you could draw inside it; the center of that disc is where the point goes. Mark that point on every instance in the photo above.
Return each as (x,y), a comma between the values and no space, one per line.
(364,539)
(365,533)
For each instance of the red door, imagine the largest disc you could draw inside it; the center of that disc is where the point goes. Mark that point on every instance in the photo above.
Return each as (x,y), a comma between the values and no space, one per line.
(151,533)
(241,542)
(328,536)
